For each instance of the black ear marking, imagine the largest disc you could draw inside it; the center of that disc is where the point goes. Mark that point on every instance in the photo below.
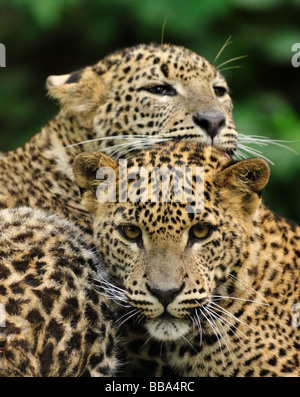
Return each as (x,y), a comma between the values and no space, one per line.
(74,76)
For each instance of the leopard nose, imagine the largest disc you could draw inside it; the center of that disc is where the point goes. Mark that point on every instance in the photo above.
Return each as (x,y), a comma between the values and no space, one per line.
(165,297)
(211,122)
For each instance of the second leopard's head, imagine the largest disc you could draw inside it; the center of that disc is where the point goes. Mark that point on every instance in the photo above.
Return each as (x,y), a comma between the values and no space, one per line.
(172,225)
(141,95)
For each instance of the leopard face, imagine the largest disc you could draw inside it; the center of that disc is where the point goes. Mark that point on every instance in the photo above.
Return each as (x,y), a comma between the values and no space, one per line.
(149,93)
(167,259)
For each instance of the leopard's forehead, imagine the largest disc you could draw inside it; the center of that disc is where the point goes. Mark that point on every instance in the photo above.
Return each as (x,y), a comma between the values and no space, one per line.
(181,154)
(173,61)
(166,211)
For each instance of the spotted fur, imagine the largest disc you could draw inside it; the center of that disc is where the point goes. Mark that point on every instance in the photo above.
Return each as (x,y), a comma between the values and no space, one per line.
(53,321)
(148,92)
(132,98)
(112,103)
(223,305)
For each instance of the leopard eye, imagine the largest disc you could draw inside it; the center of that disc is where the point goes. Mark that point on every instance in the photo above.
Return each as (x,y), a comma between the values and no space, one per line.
(131,232)
(163,89)
(220,91)
(200,232)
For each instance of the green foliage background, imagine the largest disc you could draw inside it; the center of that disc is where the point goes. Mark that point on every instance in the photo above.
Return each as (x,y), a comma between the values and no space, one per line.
(59,36)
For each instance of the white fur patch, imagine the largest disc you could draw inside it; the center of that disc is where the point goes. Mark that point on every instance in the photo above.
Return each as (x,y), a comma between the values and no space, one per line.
(56,81)
(168,329)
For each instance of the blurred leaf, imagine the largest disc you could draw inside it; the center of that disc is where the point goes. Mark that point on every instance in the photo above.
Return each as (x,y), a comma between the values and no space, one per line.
(47,12)
(258,4)
(278,45)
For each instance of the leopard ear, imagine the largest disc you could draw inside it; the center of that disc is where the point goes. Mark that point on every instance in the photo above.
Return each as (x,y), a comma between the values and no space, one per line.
(61,80)
(81,91)
(244,182)
(87,164)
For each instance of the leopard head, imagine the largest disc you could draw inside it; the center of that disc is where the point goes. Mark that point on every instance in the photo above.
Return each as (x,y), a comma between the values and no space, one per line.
(143,95)
(170,254)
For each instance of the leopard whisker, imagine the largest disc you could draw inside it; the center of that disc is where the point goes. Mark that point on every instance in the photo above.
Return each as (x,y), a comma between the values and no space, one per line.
(263,137)
(189,343)
(231,328)
(246,287)
(197,321)
(214,317)
(141,145)
(113,299)
(120,146)
(231,60)
(221,297)
(140,317)
(230,325)
(112,292)
(265,141)
(229,68)
(127,316)
(226,312)
(215,330)
(254,152)
(145,343)
(104,282)
(106,138)
(140,142)
(226,44)
(249,149)
(240,155)
(122,149)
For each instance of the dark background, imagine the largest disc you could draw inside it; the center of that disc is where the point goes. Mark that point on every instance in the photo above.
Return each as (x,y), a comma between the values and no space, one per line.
(44,37)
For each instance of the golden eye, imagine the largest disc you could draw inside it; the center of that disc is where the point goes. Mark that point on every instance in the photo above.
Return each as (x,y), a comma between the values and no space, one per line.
(131,232)
(200,232)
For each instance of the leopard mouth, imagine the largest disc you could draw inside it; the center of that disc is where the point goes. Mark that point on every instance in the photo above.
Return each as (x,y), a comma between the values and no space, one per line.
(167,327)
(226,155)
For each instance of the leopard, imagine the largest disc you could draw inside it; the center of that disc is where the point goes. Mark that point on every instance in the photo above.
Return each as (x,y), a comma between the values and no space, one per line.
(54,322)
(129,100)
(208,278)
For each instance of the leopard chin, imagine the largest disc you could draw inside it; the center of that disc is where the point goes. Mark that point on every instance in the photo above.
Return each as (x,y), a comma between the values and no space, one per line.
(168,328)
